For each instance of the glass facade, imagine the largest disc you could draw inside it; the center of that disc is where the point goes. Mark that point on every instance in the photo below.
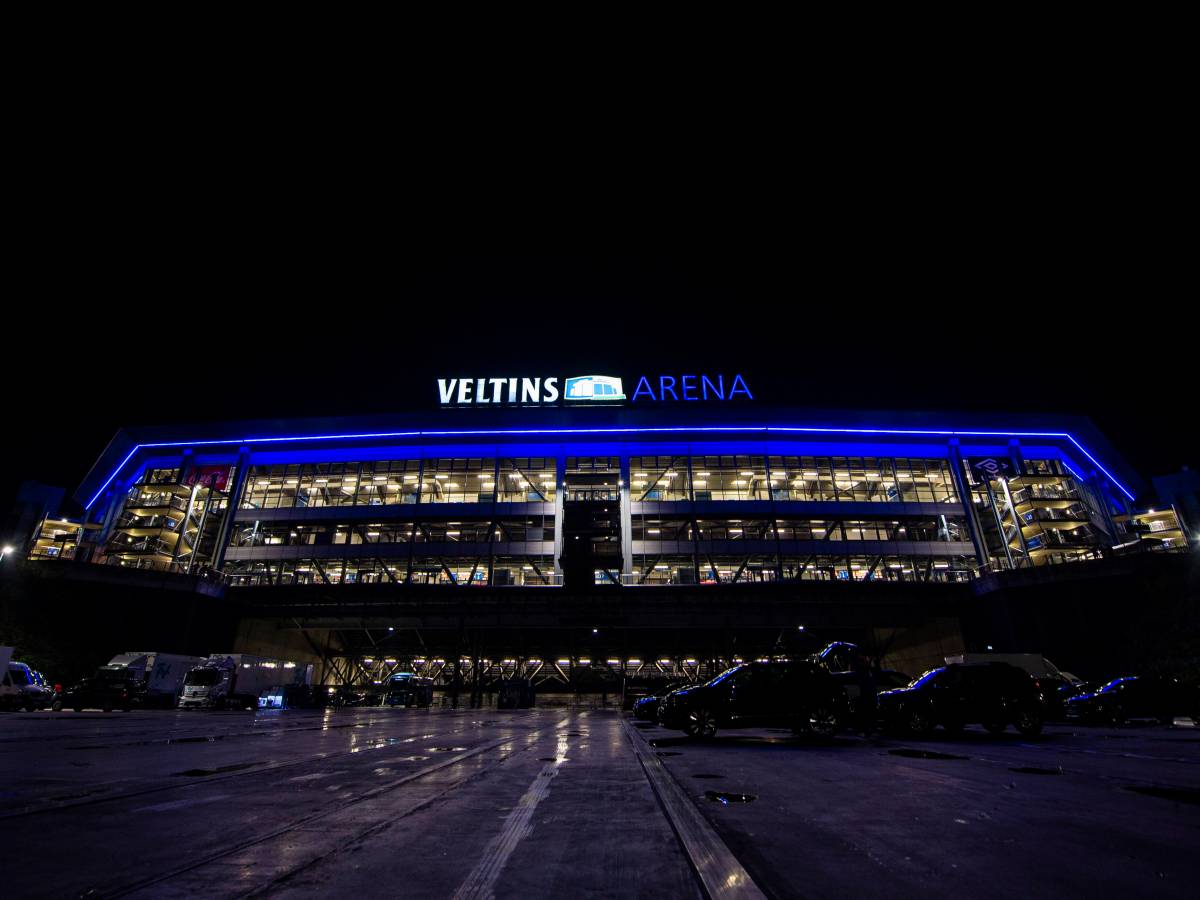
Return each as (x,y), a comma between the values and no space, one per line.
(1038,514)
(647,514)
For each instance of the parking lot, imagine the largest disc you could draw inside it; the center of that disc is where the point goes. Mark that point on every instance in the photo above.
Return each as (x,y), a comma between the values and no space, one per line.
(552,803)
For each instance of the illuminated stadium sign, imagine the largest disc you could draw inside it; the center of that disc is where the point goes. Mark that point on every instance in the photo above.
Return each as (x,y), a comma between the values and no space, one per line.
(594,387)
(597,389)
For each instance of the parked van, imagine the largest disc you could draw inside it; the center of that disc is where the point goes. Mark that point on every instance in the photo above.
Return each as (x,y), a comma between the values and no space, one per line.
(20,686)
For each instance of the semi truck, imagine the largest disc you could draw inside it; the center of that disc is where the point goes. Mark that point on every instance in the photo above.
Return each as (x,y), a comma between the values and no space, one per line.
(237,679)
(132,680)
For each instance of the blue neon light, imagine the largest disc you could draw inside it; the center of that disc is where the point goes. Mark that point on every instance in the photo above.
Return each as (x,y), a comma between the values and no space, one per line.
(742,429)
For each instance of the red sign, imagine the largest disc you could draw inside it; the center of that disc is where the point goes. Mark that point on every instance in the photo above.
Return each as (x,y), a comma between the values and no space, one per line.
(216,477)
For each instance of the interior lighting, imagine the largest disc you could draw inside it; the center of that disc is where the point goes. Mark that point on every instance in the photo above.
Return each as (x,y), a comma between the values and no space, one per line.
(736,429)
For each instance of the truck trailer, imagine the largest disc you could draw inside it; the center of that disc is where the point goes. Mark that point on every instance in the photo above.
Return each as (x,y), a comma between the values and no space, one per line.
(134,679)
(237,679)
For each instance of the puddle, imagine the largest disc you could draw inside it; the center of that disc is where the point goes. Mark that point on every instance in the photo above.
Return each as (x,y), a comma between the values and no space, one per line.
(447,749)
(669,753)
(707,775)
(1035,770)
(199,773)
(1179,795)
(552,759)
(728,797)
(910,753)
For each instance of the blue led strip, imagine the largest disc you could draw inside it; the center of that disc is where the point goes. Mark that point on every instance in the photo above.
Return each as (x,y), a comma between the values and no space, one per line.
(741,429)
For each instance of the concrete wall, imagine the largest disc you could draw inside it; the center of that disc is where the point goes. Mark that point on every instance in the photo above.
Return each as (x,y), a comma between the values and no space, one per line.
(282,640)
(916,649)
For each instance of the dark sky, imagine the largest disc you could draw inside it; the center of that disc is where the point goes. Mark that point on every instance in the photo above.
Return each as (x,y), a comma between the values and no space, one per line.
(856,321)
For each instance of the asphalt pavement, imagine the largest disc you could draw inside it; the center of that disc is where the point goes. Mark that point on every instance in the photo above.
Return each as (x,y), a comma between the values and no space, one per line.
(553,803)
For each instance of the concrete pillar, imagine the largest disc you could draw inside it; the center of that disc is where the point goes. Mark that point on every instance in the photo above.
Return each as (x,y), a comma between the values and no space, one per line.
(626,523)
(560,478)
(1102,488)
(234,504)
(964,496)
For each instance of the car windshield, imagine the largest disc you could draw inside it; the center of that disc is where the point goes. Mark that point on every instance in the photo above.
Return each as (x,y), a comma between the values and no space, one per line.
(114,675)
(202,677)
(728,673)
(18,675)
(1114,684)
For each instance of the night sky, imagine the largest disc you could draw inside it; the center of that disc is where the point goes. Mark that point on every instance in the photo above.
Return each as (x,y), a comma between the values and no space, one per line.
(1007,329)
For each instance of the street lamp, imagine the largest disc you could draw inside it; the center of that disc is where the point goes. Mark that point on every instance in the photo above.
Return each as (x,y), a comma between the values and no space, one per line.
(7,549)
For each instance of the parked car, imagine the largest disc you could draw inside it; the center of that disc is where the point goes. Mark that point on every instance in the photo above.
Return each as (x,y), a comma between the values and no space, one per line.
(293,696)
(801,695)
(1057,693)
(408,689)
(1148,697)
(646,708)
(994,695)
(885,680)
(356,695)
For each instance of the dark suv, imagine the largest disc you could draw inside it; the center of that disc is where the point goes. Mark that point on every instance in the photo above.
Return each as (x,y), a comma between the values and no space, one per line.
(1151,696)
(112,687)
(800,695)
(994,695)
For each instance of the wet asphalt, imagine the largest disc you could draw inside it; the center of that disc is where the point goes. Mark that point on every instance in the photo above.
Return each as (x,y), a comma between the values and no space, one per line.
(554,803)
(355,802)
(1076,811)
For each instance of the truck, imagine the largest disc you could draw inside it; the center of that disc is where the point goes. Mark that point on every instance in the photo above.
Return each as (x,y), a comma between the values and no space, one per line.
(136,679)
(237,679)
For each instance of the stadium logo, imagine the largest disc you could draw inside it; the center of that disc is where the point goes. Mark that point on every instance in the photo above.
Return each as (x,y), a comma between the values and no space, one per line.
(602,388)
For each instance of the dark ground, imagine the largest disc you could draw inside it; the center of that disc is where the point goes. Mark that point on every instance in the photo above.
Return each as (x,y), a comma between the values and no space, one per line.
(549,803)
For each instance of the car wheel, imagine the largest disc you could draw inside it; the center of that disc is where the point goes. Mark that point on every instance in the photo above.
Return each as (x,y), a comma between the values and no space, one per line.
(822,721)
(1028,723)
(106,709)
(919,722)
(996,727)
(77,708)
(56,706)
(955,728)
(700,723)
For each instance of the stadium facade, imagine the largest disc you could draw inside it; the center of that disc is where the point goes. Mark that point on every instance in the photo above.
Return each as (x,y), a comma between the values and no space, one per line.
(607,480)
